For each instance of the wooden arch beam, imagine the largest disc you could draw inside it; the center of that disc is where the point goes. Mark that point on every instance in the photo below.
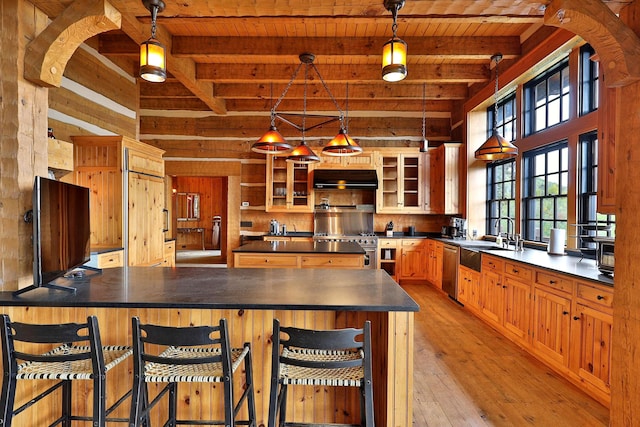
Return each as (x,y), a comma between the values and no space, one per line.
(616,44)
(47,55)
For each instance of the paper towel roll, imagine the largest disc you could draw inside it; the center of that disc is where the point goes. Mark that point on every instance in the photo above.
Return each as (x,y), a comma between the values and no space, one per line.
(556,241)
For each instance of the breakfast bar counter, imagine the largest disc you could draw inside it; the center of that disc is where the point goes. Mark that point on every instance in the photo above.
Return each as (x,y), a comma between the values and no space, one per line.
(249,299)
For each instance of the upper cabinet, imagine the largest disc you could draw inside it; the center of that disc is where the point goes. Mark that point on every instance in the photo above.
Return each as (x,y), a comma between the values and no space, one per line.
(400,183)
(126,179)
(364,160)
(444,182)
(607,151)
(289,186)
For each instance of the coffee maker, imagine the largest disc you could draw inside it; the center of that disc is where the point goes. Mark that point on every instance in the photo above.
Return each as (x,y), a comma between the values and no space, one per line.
(457,228)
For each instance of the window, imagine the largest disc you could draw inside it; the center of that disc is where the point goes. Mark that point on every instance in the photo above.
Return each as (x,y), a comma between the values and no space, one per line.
(589,92)
(546,99)
(506,118)
(545,189)
(501,195)
(600,224)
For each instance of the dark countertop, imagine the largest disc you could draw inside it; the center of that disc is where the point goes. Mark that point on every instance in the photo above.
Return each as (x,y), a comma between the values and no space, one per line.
(220,288)
(566,264)
(301,248)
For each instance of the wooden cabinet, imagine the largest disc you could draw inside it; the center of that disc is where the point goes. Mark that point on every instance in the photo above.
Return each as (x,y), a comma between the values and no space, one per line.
(444,180)
(126,180)
(170,253)
(516,309)
(492,297)
(551,325)
(253,184)
(400,183)
(288,260)
(435,251)
(289,188)
(388,255)
(110,259)
(591,330)
(469,288)
(607,150)
(413,259)
(364,160)
(59,157)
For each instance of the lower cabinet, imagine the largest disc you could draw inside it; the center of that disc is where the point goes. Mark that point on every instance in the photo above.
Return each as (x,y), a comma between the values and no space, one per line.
(435,251)
(413,259)
(290,260)
(110,259)
(170,253)
(563,322)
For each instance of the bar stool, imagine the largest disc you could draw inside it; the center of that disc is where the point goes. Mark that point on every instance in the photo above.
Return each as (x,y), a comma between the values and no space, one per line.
(320,358)
(67,362)
(200,354)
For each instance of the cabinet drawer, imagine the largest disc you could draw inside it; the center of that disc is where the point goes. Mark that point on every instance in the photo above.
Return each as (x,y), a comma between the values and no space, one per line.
(111,259)
(266,261)
(490,263)
(556,282)
(387,243)
(596,294)
(412,243)
(169,247)
(341,261)
(518,270)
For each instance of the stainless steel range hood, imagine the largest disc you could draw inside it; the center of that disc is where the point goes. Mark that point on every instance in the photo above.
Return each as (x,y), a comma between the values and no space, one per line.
(345,179)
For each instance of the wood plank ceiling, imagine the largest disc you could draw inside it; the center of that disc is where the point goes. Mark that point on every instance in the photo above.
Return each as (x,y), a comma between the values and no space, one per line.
(230,61)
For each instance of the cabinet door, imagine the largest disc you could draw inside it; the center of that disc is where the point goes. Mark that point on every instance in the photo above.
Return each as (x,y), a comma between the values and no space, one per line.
(551,323)
(469,288)
(491,297)
(145,220)
(413,261)
(288,186)
(401,184)
(591,342)
(411,174)
(444,182)
(517,307)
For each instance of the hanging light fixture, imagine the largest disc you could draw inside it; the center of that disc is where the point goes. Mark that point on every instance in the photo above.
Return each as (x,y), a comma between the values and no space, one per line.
(343,144)
(496,147)
(273,142)
(394,52)
(153,66)
(424,144)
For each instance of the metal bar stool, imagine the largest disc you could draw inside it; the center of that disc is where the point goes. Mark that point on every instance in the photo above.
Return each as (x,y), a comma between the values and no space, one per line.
(320,358)
(199,354)
(67,362)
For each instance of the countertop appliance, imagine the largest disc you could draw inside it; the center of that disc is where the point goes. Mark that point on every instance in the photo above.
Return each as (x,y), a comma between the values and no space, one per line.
(605,254)
(347,225)
(457,228)
(450,270)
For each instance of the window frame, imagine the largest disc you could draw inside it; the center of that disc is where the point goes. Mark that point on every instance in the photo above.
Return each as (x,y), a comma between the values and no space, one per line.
(564,98)
(589,93)
(502,202)
(502,123)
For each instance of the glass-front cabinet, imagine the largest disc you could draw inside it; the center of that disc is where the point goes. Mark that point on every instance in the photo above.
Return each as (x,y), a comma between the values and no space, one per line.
(289,187)
(401,186)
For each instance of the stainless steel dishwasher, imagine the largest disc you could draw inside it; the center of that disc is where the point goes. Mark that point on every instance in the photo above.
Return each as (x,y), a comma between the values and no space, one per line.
(450,270)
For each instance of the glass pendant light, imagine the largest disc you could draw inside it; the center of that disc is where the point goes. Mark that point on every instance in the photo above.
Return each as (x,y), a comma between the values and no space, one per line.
(153,66)
(496,147)
(394,52)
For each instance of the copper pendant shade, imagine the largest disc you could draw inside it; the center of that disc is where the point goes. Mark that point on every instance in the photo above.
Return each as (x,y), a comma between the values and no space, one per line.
(302,154)
(342,145)
(496,147)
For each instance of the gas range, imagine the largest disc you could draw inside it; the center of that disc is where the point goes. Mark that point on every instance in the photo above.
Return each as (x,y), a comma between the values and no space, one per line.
(366,240)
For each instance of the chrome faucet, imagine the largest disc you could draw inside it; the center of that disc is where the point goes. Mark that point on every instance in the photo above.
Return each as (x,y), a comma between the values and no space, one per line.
(518,242)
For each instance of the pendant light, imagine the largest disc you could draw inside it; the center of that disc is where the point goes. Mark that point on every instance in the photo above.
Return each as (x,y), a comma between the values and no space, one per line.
(153,66)
(394,52)
(424,144)
(343,144)
(302,154)
(496,147)
(271,142)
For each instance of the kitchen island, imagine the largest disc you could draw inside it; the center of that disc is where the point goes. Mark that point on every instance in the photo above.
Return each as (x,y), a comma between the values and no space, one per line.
(249,299)
(288,254)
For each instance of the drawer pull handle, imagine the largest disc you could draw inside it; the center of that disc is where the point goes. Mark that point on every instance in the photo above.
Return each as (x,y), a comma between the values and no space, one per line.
(330,261)
(565,313)
(504,287)
(514,270)
(600,297)
(576,318)
(552,282)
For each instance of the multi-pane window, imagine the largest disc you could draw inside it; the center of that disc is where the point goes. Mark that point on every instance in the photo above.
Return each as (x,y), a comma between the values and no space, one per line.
(589,92)
(594,223)
(505,118)
(545,188)
(546,99)
(501,196)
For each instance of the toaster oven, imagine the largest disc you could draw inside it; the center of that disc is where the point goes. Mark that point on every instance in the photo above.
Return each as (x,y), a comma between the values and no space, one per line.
(605,254)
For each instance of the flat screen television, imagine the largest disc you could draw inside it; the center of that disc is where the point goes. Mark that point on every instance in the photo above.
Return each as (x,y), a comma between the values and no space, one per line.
(61,230)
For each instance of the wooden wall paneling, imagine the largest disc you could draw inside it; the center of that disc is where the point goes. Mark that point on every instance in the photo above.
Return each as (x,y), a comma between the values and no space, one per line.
(104,234)
(607,149)
(146,220)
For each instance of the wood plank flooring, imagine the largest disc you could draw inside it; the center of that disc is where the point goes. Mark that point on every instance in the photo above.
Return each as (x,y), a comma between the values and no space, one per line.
(466,374)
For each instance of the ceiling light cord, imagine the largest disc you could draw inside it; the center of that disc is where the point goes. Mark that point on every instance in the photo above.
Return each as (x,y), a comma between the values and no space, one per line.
(497,59)
(424,111)
(154,17)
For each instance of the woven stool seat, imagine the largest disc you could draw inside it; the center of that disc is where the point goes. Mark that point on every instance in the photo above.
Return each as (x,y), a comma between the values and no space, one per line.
(62,353)
(335,377)
(75,370)
(201,373)
(320,358)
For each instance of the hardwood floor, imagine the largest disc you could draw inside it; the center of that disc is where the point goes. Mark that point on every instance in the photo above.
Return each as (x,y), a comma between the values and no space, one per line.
(466,374)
